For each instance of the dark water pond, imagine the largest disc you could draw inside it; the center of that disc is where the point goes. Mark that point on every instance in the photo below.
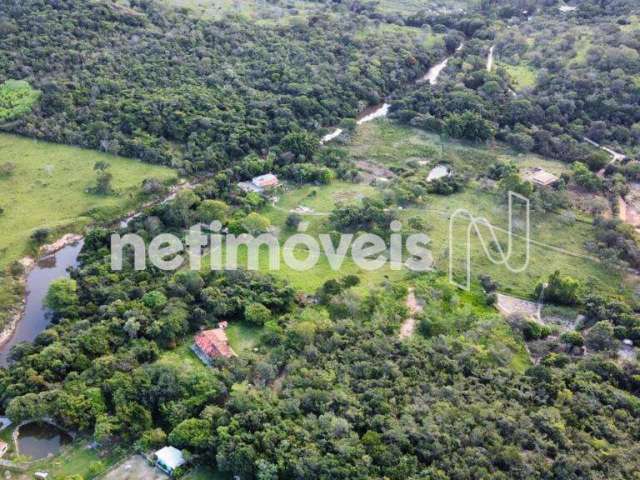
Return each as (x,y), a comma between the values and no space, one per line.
(38,440)
(35,318)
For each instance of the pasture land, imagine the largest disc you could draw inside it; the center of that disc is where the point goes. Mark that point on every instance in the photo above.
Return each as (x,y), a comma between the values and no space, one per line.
(48,189)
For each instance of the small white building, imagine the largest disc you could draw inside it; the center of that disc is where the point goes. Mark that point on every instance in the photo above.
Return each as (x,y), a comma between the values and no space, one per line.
(168,459)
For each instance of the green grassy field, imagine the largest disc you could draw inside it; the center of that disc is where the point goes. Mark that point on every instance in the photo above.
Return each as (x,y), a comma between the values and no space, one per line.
(183,357)
(257,10)
(554,241)
(74,459)
(523,75)
(413,6)
(557,243)
(48,187)
(243,337)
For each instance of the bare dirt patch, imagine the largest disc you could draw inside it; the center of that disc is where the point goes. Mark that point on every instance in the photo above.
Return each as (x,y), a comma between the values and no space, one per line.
(509,305)
(409,325)
(135,468)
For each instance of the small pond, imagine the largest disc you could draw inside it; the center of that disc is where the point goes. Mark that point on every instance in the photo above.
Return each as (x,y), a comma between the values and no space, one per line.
(39,440)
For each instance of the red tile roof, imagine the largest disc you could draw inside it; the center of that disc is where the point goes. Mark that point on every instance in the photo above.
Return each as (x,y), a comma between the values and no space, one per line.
(214,343)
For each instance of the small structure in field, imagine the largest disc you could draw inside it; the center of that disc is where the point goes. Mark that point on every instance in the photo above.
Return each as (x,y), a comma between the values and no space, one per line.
(540,176)
(437,172)
(41,475)
(211,344)
(168,459)
(4,446)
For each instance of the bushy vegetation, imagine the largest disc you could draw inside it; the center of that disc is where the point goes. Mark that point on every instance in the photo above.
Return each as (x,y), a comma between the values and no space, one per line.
(347,390)
(572,97)
(226,89)
(16,99)
(324,385)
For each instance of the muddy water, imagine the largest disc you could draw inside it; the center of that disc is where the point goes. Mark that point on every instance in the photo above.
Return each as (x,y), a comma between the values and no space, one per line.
(434,72)
(490,58)
(367,115)
(35,318)
(39,440)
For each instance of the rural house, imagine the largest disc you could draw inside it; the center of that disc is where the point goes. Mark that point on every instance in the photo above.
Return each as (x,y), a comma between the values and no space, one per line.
(210,344)
(261,183)
(168,459)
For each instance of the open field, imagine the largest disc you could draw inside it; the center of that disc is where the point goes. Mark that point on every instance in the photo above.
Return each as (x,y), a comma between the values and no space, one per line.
(261,9)
(183,357)
(554,245)
(413,6)
(258,10)
(48,189)
(133,468)
(243,337)
(523,75)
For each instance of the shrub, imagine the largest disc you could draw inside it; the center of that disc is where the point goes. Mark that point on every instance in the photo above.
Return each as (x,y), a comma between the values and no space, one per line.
(574,339)
(535,331)
(600,338)
(257,314)
(293,220)
(40,235)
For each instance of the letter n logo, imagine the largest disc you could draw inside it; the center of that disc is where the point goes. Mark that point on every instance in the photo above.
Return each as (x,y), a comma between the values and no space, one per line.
(500,256)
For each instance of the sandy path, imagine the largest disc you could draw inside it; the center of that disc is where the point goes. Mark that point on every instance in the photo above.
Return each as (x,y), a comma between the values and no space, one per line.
(409,325)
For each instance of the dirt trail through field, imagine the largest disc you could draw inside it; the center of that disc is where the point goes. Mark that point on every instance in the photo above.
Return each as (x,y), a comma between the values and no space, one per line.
(409,325)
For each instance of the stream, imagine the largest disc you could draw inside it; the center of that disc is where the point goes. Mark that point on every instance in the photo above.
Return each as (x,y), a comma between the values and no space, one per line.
(380,111)
(55,266)
(35,318)
(490,58)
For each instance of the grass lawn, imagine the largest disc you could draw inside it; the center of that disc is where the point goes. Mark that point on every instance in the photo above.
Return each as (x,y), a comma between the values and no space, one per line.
(48,187)
(243,337)
(183,356)
(76,459)
(523,75)
(556,244)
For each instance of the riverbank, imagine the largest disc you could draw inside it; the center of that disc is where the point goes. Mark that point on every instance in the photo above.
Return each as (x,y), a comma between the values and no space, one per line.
(17,311)
(52,263)
(34,290)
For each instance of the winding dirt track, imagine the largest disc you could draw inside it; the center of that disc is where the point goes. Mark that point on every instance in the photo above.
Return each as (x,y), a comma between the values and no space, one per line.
(409,325)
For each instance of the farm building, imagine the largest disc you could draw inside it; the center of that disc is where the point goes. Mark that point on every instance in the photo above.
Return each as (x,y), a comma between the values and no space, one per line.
(261,183)
(211,344)
(540,176)
(168,459)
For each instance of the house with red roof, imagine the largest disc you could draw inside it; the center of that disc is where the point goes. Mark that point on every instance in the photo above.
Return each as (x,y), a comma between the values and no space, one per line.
(211,344)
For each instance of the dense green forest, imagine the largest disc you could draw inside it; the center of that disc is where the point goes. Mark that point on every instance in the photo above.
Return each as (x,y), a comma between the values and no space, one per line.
(156,84)
(334,396)
(581,87)
(329,388)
